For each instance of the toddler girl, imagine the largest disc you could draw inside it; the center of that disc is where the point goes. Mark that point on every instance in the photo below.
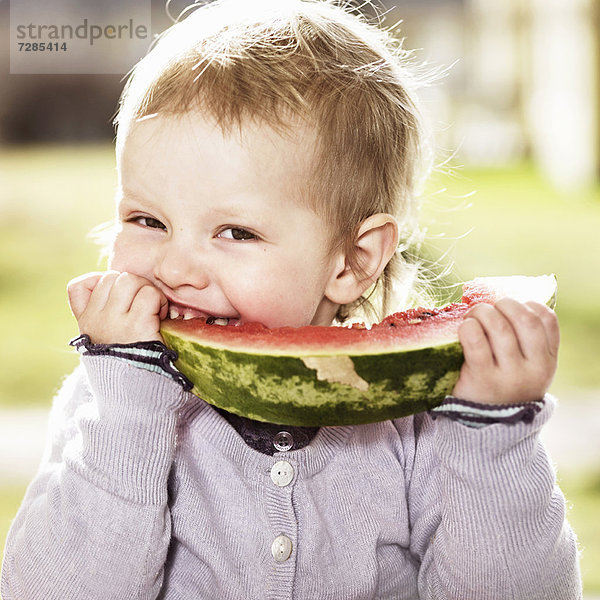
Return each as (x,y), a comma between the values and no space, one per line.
(267,160)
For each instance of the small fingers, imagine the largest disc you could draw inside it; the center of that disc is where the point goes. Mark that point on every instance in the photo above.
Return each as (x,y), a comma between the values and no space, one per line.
(476,346)
(79,291)
(550,323)
(116,307)
(499,332)
(510,352)
(528,327)
(125,288)
(102,290)
(149,300)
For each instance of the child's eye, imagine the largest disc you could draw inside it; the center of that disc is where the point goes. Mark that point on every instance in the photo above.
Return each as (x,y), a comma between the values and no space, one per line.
(237,233)
(149,222)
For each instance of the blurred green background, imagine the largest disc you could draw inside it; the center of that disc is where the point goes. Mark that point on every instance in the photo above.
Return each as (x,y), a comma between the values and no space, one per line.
(489,221)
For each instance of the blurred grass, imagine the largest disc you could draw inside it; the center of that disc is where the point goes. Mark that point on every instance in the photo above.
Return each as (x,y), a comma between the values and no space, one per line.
(509,222)
(51,197)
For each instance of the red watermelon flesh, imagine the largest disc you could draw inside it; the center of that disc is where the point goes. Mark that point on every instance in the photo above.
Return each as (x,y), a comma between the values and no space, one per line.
(413,328)
(409,329)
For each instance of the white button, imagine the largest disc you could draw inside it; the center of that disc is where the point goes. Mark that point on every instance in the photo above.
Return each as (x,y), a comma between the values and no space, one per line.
(281,548)
(282,473)
(283,441)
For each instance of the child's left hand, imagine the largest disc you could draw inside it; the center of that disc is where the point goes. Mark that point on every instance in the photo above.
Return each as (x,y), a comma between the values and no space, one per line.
(511,352)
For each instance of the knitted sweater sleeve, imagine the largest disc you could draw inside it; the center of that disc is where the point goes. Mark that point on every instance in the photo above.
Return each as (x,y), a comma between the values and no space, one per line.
(487,518)
(98,503)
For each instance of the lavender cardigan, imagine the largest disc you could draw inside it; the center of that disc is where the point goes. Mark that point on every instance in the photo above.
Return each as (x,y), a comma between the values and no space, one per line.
(146,491)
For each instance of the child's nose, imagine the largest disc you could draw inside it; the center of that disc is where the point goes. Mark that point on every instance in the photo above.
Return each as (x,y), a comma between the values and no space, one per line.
(179,265)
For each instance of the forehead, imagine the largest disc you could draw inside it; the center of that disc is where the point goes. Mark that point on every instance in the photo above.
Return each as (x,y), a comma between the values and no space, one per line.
(192,145)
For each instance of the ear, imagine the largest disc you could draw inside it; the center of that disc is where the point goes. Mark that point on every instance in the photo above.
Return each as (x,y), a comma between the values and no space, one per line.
(374,246)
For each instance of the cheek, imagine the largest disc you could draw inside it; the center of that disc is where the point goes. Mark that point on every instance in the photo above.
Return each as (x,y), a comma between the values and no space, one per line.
(129,257)
(285,298)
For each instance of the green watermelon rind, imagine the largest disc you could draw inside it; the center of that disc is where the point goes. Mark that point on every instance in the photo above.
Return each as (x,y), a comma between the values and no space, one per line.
(283,390)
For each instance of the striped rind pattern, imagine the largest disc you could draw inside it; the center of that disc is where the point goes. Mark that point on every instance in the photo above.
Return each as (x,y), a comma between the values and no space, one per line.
(282,389)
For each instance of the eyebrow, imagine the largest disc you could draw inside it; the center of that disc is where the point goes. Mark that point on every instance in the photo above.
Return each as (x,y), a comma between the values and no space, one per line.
(124,193)
(231,208)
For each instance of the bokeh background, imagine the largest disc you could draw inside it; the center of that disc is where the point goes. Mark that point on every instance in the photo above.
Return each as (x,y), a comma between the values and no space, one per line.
(516,116)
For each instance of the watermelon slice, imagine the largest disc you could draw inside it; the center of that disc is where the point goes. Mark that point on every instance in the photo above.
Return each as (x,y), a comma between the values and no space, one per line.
(317,376)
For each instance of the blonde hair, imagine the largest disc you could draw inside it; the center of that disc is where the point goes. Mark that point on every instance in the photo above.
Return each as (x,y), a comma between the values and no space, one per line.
(274,61)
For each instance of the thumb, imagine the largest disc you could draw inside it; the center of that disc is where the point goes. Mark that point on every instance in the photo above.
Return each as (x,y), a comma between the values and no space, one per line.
(79,291)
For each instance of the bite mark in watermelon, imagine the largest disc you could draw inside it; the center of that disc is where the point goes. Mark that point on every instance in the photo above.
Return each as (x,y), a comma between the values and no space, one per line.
(323,376)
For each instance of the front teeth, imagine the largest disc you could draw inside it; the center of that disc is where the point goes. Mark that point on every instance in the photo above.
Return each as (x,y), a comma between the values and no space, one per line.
(187,315)
(217,321)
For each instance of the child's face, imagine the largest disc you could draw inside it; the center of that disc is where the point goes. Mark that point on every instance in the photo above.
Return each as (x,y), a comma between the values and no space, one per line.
(218,225)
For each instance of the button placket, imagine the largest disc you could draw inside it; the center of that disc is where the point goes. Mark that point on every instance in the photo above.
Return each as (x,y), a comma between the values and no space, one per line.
(282,540)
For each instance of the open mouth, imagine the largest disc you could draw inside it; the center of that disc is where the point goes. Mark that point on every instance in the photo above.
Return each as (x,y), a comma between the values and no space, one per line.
(186,313)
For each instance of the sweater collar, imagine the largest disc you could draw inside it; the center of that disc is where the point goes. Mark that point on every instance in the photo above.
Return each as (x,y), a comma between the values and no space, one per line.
(198,418)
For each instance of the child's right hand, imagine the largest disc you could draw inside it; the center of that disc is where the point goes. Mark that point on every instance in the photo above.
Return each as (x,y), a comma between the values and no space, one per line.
(117,308)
